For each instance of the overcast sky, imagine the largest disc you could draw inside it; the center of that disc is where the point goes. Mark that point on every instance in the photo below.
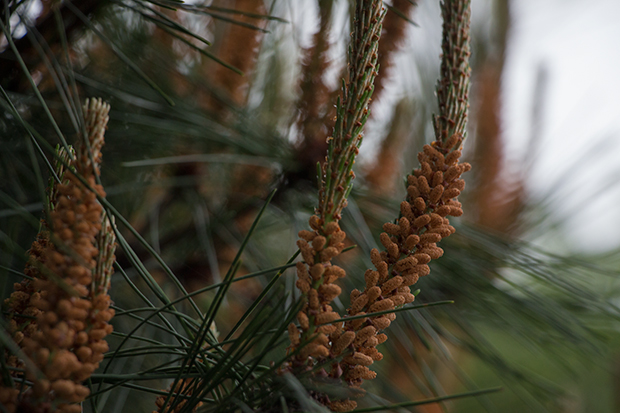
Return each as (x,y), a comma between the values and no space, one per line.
(576,42)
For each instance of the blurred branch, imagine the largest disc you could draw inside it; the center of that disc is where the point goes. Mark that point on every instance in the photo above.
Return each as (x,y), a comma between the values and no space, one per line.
(11,75)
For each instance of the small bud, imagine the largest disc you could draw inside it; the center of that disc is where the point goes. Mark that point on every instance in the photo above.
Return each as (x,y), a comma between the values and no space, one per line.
(328,253)
(410,279)
(336,238)
(375,257)
(302,318)
(433,251)
(313,299)
(404,227)
(343,342)
(306,235)
(419,204)
(406,211)
(452,173)
(318,242)
(391,284)
(436,194)
(385,240)
(371,278)
(422,258)
(412,241)
(357,323)
(373,294)
(364,334)
(413,191)
(293,334)
(382,305)
(450,193)
(405,263)
(358,358)
(371,342)
(317,271)
(391,229)
(437,179)
(382,268)
(425,169)
(451,142)
(422,269)
(456,211)
(398,300)
(443,210)
(359,303)
(329,292)
(331,227)
(303,285)
(335,271)
(372,352)
(381,323)
(423,185)
(458,184)
(360,372)
(307,252)
(429,238)
(315,223)
(422,221)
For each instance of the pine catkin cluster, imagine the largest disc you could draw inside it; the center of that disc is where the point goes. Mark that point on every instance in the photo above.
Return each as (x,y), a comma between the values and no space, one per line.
(316,340)
(410,244)
(22,315)
(22,304)
(66,293)
(316,278)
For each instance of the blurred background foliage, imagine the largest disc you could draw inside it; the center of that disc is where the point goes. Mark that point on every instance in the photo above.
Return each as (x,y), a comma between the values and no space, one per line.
(215,104)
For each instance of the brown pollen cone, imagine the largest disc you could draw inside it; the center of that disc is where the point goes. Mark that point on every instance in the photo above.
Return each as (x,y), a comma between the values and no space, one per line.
(409,244)
(68,291)
(316,280)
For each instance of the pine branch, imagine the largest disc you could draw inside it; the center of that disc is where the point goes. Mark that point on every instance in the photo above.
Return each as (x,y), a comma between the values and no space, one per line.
(314,341)
(453,85)
(336,173)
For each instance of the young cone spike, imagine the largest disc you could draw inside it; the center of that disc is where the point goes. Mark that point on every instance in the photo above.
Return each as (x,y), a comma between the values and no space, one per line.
(315,339)
(410,242)
(70,267)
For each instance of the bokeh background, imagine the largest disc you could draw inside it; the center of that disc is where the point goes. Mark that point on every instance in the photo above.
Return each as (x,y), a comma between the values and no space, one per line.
(533,267)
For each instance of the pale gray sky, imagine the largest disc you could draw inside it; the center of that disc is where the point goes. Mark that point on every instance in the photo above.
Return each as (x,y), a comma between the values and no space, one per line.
(576,41)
